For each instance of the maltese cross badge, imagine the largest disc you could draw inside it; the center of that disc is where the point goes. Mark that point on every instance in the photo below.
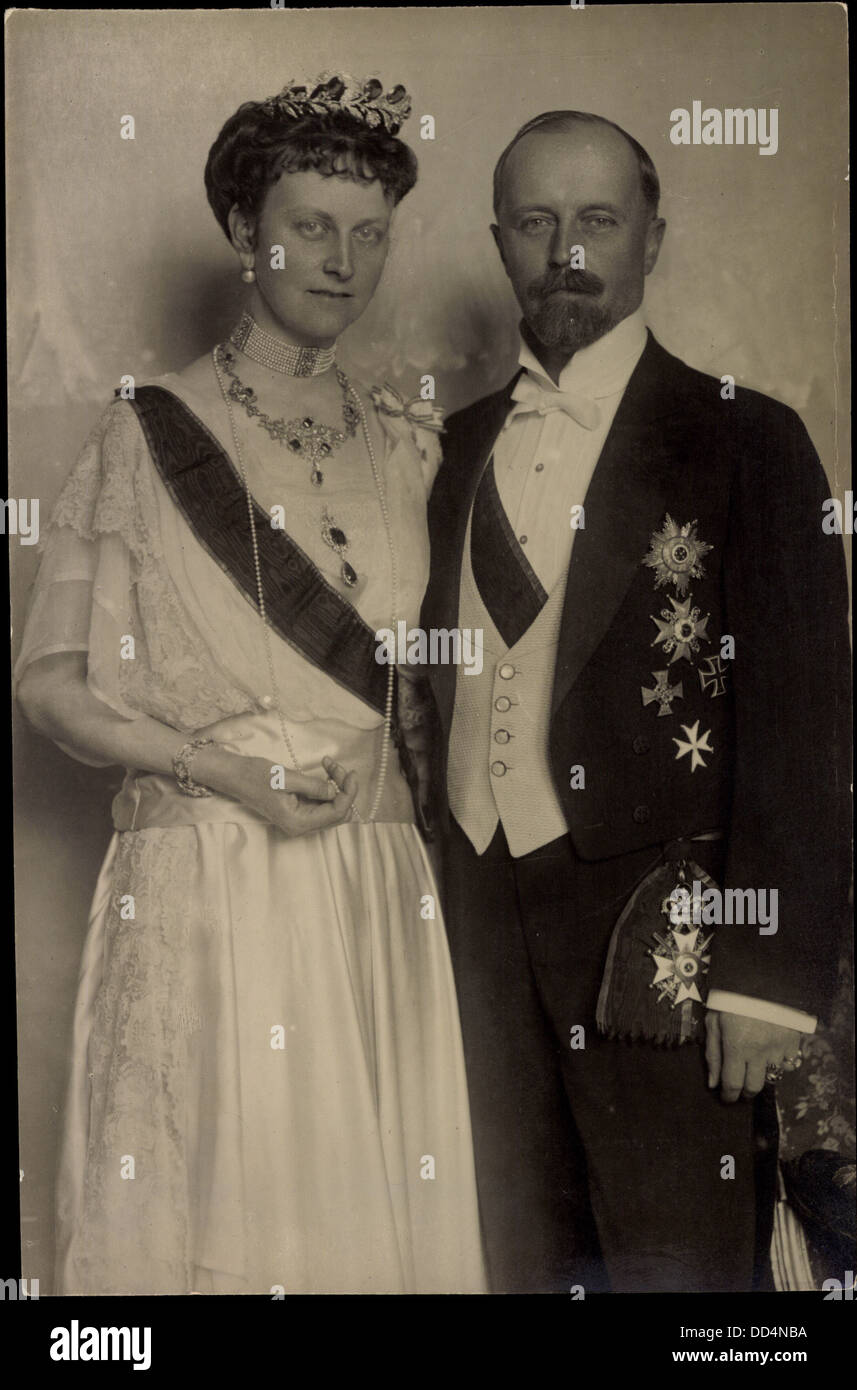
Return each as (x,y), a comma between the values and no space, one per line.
(695,744)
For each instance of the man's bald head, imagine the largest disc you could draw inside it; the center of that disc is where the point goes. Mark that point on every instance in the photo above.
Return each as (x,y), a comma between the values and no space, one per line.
(558,122)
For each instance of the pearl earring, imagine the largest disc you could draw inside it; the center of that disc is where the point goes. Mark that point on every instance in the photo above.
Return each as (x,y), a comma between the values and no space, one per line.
(248,276)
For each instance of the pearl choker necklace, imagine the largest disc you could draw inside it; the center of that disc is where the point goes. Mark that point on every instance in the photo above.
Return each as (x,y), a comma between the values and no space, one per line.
(280,356)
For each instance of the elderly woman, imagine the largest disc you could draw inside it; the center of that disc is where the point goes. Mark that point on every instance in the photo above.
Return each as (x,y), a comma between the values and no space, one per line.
(267,1087)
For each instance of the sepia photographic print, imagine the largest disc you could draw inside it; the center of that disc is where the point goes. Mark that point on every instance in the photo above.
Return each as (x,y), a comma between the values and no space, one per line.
(429,519)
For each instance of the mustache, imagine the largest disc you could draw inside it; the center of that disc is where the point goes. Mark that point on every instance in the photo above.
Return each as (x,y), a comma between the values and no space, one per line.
(575,281)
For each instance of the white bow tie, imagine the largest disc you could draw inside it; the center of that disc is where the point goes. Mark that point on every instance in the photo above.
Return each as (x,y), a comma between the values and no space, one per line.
(529,397)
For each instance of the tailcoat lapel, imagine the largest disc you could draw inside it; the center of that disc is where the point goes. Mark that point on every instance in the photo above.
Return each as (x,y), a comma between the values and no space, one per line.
(466,457)
(509,586)
(625,500)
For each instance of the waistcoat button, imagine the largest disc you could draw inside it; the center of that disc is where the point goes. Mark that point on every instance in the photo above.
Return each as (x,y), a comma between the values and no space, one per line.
(642,814)
(502,703)
(498,769)
(507,671)
(502,736)
(641,744)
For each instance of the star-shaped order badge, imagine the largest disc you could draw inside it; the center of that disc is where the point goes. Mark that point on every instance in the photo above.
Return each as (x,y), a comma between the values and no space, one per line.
(680,961)
(681,629)
(675,553)
(695,744)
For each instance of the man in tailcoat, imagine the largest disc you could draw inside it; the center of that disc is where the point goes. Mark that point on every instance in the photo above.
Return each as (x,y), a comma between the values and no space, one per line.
(663,703)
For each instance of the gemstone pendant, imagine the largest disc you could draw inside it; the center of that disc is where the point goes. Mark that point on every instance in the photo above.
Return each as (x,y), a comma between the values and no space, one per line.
(338,536)
(349,574)
(317,477)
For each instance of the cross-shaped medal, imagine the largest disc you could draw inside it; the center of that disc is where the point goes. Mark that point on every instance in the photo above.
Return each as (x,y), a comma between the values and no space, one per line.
(663,692)
(714,678)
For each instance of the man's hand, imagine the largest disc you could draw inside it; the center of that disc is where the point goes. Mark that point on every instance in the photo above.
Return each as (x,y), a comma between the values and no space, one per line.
(738,1051)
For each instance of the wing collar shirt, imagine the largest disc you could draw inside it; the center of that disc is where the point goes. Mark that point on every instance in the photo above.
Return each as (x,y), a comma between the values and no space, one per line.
(549,446)
(543,463)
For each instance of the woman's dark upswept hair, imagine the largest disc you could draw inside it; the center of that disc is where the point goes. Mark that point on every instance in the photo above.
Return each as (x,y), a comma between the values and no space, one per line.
(254,148)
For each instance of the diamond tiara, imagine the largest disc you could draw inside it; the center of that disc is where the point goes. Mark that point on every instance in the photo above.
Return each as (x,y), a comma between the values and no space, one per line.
(364,99)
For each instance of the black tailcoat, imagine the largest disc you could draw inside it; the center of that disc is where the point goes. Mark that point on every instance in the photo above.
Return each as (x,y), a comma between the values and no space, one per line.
(777,781)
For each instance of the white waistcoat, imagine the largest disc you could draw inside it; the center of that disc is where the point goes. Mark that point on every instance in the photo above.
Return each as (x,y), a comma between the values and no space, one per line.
(498,749)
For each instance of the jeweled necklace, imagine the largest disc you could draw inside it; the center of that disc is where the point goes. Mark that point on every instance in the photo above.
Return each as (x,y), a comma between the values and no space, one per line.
(310,440)
(280,356)
(306,438)
(263,615)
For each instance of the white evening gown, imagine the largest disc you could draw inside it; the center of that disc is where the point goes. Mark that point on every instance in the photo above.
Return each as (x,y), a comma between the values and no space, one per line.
(267,1087)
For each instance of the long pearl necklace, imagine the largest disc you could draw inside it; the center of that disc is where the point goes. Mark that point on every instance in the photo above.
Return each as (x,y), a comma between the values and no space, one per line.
(257,565)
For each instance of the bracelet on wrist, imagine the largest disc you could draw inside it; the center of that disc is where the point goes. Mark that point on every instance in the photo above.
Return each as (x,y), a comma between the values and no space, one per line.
(181,767)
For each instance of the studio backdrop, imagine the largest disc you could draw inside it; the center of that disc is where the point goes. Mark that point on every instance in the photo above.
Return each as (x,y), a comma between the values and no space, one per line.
(116,266)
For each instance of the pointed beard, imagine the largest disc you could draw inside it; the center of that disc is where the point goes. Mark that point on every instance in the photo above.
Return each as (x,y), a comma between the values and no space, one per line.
(569,325)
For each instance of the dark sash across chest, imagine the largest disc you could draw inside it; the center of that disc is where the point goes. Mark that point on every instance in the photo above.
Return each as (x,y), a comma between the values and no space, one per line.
(507,583)
(301,606)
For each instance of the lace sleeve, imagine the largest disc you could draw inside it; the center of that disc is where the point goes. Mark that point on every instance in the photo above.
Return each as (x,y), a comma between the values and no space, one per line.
(99,496)
(103,588)
(82,595)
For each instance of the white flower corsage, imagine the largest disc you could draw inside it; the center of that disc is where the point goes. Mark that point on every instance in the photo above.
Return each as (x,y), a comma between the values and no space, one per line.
(419,414)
